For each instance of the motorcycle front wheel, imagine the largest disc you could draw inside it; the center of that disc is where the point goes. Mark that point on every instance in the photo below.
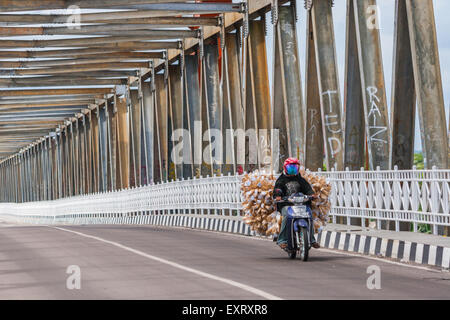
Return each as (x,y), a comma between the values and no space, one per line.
(303,243)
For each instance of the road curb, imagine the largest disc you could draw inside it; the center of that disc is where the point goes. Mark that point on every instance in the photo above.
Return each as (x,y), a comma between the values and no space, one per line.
(403,251)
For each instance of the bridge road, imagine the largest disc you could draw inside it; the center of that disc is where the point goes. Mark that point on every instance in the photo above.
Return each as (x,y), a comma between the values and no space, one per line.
(148,262)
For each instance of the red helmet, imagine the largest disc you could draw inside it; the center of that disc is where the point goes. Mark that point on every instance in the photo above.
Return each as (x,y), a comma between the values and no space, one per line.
(290,161)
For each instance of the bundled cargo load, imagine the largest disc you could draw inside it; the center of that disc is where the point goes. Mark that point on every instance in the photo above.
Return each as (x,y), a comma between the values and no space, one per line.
(259,206)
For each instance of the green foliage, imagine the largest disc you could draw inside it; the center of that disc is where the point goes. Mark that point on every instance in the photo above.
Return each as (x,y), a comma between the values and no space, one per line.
(422,228)
(418,161)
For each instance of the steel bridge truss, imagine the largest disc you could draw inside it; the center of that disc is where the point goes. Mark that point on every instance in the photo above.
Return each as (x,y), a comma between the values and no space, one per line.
(90,100)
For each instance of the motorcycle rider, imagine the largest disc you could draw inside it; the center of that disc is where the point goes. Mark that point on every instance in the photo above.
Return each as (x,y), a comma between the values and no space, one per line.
(289,183)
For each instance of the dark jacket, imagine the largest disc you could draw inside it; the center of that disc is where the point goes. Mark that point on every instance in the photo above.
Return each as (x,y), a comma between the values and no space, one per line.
(290,185)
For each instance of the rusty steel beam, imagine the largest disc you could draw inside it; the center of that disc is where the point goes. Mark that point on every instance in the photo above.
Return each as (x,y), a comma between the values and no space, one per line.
(372,84)
(56,104)
(314,147)
(90,75)
(176,108)
(131,31)
(162,115)
(130,41)
(403,105)
(233,102)
(148,124)
(428,82)
(80,53)
(11,83)
(330,98)
(288,108)
(62,62)
(122,17)
(31,5)
(354,157)
(258,92)
(75,68)
(54,92)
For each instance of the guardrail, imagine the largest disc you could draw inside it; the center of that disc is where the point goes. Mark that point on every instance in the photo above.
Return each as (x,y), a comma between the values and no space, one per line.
(414,196)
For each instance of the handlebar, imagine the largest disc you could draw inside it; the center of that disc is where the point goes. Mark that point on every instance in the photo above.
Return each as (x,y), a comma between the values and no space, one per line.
(290,200)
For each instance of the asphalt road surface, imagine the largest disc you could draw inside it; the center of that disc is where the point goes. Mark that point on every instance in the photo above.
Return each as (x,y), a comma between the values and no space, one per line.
(147,262)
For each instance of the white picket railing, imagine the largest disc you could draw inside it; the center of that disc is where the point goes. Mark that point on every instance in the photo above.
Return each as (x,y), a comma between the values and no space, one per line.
(415,196)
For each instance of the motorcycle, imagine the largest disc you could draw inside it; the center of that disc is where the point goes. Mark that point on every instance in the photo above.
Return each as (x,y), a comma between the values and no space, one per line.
(301,221)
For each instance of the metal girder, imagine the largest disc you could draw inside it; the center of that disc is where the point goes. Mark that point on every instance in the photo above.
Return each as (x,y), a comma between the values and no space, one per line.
(288,109)
(194,102)
(355,141)
(75,68)
(428,82)
(54,92)
(372,85)
(104,74)
(403,105)
(63,62)
(124,145)
(213,94)
(314,141)
(176,110)
(258,92)
(137,31)
(122,17)
(233,102)
(134,113)
(215,7)
(11,83)
(30,5)
(148,131)
(162,116)
(91,52)
(125,41)
(330,98)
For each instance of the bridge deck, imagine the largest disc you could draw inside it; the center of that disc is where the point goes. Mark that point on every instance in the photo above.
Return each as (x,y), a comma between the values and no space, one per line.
(33,263)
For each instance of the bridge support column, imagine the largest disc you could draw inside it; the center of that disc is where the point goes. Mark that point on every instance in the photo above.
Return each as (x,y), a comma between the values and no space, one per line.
(103,147)
(176,110)
(162,116)
(148,125)
(288,108)
(314,141)
(95,149)
(134,113)
(403,109)
(123,148)
(213,95)
(258,104)
(194,107)
(233,101)
(330,98)
(354,158)
(428,82)
(372,82)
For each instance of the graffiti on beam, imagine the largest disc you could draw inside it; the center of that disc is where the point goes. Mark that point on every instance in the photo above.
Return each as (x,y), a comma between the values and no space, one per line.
(312,130)
(376,130)
(332,125)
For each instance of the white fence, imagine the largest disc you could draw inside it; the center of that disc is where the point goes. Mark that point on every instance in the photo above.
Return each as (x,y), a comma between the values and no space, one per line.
(415,196)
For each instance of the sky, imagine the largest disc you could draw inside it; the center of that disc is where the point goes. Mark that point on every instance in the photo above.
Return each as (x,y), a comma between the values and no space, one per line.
(386,14)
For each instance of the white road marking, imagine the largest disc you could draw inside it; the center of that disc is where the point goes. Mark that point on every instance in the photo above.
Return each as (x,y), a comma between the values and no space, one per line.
(179,266)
